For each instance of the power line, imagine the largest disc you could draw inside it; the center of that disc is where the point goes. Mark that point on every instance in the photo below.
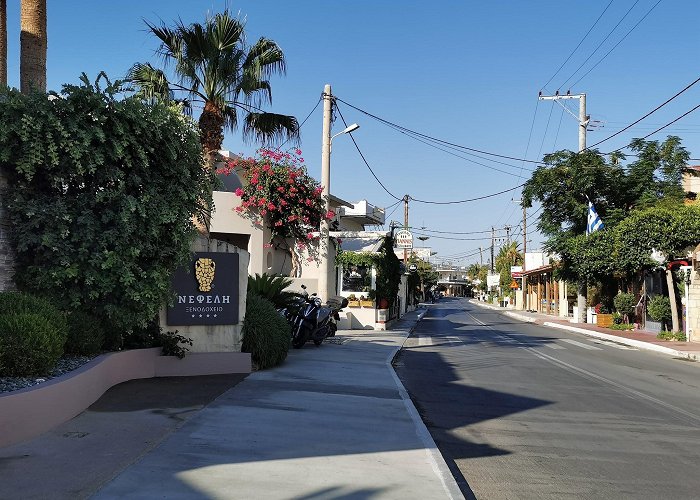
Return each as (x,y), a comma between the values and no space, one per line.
(600,44)
(387,122)
(467,200)
(365,160)
(618,43)
(307,117)
(579,44)
(648,114)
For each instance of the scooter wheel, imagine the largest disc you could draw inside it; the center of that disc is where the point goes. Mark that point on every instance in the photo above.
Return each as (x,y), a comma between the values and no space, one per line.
(318,343)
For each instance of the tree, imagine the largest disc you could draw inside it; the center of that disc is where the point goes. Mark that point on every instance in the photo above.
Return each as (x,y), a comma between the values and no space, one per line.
(217,70)
(508,256)
(32,39)
(102,195)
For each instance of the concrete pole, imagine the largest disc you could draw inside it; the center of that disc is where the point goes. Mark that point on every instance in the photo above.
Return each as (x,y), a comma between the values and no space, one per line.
(524,234)
(582,125)
(324,271)
(405,226)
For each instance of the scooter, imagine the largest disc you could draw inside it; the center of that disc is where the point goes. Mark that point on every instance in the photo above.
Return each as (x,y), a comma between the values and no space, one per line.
(315,321)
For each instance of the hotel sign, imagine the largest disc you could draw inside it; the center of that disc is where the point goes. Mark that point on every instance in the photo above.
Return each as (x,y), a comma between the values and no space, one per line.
(206,291)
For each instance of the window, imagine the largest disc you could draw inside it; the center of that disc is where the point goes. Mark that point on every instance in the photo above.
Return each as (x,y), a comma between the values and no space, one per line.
(356,278)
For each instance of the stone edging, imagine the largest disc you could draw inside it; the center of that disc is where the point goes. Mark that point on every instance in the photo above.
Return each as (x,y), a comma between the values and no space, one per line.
(26,413)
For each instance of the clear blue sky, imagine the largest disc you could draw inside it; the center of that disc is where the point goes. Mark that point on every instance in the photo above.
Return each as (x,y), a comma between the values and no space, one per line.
(465,72)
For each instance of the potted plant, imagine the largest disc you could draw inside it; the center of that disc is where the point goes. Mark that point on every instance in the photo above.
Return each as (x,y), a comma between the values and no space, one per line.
(367,301)
(604,317)
(353,301)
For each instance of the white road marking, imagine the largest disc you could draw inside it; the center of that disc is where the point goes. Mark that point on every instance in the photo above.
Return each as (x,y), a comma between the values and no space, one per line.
(425,340)
(581,344)
(552,345)
(614,344)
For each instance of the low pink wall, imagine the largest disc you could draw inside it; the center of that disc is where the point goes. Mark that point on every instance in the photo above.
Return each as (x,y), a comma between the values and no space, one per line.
(26,413)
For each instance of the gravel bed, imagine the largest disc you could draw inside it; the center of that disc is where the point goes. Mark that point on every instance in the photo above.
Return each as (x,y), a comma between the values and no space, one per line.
(64,365)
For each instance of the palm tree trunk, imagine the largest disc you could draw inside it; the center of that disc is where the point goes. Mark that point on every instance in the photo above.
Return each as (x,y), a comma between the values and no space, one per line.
(7,254)
(211,128)
(3,42)
(32,39)
(670,282)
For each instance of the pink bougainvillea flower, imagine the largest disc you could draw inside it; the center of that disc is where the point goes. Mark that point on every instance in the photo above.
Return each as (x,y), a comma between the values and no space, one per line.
(260,187)
(280,189)
(330,214)
(278,223)
(271,206)
(283,203)
(297,151)
(308,202)
(238,209)
(309,236)
(318,191)
(263,212)
(238,192)
(267,245)
(309,259)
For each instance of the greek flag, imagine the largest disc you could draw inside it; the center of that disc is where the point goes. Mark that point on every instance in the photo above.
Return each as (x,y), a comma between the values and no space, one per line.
(594,222)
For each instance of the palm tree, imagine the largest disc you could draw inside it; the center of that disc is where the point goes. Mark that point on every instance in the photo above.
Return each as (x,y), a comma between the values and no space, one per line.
(508,256)
(32,40)
(217,70)
(3,42)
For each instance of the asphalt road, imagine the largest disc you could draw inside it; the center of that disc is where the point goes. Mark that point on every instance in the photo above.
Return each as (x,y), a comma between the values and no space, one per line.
(525,411)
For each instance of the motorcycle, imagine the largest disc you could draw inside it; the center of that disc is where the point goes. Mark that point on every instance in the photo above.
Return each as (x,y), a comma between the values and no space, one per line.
(314,321)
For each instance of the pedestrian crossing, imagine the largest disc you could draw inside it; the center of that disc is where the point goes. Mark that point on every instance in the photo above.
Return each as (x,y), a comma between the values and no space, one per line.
(591,344)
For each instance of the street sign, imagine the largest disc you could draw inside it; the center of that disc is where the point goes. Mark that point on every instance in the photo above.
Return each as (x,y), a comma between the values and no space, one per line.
(514,285)
(413,268)
(404,239)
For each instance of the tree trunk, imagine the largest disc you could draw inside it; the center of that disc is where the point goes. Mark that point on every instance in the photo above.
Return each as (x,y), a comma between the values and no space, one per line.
(671,283)
(211,128)
(7,253)
(3,42)
(295,272)
(32,39)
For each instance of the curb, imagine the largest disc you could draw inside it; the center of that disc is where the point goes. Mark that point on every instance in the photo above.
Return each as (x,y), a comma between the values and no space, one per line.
(437,461)
(613,338)
(622,340)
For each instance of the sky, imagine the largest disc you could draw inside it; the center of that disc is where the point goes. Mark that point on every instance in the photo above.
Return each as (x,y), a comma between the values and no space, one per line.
(467,73)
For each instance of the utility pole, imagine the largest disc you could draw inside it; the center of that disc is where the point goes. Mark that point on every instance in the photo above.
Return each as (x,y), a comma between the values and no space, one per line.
(324,271)
(507,228)
(492,241)
(405,226)
(583,120)
(524,234)
(481,255)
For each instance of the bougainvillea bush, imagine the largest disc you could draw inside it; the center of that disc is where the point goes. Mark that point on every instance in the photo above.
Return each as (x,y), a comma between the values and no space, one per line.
(279,193)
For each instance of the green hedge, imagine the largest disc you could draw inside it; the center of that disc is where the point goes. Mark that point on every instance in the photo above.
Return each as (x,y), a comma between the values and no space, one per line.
(266,334)
(32,335)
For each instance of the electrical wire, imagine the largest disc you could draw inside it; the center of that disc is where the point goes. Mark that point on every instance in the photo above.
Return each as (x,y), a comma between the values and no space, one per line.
(454,202)
(600,44)
(647,115)
(579,44)
(365,160)
(659,129)
(307,117)
(387,122)
(618,43)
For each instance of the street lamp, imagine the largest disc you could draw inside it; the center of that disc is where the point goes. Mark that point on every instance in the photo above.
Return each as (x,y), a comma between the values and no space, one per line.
(324,242)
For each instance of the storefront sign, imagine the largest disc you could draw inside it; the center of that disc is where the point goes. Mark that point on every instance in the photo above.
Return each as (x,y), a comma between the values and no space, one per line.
(206,291)
(404,239)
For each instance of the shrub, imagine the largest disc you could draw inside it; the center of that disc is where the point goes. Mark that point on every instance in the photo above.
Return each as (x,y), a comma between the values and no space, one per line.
(272,287)
(266,334)
(102,193)
(86,334)
(174,344)
(622,326)
(659,309)
(677,336)
(625,304)
(30,344)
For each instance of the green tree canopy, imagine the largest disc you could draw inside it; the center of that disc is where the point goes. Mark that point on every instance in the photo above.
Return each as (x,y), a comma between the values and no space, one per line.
(216,69)
(103,193)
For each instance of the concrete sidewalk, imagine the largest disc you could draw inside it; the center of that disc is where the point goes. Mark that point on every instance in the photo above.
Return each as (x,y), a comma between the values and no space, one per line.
(639,338)
(330,422)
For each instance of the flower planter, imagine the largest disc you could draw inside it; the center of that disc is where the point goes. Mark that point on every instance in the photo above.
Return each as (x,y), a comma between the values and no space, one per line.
(367,303)
(604,320)
(353,303)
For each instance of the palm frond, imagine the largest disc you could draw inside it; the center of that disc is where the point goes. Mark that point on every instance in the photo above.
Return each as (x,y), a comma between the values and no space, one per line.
(271,128)
(151,82)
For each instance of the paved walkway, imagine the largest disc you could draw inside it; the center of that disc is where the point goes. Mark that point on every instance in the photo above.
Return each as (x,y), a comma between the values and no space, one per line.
(637,338)
(329,423)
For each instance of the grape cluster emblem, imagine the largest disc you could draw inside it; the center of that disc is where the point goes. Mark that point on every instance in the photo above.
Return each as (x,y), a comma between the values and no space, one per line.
(204,272)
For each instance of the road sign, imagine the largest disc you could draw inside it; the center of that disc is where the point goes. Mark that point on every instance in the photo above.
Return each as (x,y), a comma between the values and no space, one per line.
(514,285)
(404,239)
(413,268)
